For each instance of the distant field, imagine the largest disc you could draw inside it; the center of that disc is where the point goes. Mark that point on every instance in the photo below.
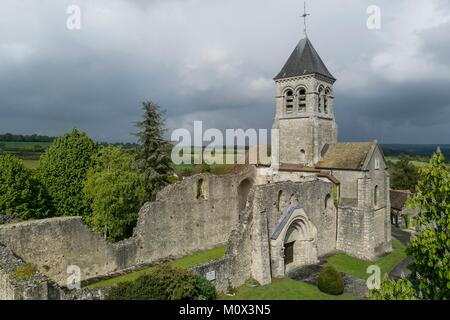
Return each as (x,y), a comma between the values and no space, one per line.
(395,159)
(31,164)
(425,150)
(22,145)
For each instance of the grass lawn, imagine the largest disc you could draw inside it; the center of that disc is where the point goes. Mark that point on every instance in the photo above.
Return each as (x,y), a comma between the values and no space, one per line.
(414,162)
(24,145)
(31,164)
(357,267)
(284,289)
(185,262)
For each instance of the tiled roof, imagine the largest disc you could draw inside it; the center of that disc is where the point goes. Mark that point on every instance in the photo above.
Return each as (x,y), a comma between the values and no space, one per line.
(304,60)
(345,155)
(398,198)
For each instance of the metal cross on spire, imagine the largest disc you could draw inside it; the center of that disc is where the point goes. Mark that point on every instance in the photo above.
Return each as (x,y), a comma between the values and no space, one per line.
(304,15)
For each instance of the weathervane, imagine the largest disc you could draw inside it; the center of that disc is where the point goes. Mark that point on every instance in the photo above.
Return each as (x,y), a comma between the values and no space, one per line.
(304,15)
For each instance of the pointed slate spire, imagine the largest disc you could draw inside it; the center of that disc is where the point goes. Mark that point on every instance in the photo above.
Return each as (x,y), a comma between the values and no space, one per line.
(304,60)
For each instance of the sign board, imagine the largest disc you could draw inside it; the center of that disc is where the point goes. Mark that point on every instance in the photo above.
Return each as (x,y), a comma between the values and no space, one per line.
(211,275)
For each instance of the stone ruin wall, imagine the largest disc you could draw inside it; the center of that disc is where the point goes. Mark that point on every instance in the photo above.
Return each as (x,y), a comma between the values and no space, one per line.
(176,224)
(248,253)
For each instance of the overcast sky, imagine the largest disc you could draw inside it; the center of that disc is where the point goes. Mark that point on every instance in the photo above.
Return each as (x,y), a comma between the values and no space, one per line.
(214,60)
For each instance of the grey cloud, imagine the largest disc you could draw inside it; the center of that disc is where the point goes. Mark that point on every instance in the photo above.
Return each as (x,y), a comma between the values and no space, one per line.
(211,61)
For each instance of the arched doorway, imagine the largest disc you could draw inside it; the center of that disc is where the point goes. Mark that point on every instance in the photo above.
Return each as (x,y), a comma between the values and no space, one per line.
(243,191)
(293,242)
(299,244)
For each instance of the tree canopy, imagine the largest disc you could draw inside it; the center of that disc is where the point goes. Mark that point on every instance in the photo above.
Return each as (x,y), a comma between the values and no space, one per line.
(20,192)
(114,190)
(154,152)
(63,169)
(403,174)
(431,247)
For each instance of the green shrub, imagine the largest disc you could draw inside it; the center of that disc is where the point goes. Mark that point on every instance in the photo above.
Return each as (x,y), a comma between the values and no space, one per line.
(24,272)
(401,289)
(172,179)
(165,283)
(330,281)
(206,168)
(206,290)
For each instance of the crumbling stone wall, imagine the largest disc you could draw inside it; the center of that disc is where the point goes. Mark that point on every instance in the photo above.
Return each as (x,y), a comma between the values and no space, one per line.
(311,195)
(54,244)
(181,221)
(178,223)
(36,287)
(248,252)
(233,269)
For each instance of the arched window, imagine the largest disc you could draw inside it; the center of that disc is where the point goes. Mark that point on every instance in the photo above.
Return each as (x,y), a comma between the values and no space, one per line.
(302,100)
(376,195)
(280,193)
(327,201)
(325,101)
(320,99)
(243,191)
(201,189)
(289,100)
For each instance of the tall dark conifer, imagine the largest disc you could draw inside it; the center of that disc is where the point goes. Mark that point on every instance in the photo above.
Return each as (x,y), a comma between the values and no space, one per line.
(154,152)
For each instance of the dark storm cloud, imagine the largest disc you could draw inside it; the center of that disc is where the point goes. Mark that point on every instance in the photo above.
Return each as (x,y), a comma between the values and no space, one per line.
(214,61)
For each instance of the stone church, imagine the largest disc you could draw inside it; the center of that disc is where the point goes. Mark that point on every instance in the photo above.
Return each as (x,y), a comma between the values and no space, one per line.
(321,197)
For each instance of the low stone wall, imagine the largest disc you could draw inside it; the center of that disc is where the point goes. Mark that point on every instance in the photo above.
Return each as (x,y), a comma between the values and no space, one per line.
(86,294)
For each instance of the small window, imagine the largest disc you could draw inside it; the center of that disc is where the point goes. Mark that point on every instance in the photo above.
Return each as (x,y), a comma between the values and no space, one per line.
(302,156)
(325,101)
(377,163)
(280,193)
(327,201)
(289,101)
(320,99)
(376,195)
(302,100)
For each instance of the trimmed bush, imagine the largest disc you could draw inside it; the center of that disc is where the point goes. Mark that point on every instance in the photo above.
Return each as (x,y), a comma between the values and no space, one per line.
(165,282)
(330,281)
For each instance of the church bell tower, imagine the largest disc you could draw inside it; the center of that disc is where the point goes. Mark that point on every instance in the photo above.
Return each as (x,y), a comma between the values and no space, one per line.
(304,106)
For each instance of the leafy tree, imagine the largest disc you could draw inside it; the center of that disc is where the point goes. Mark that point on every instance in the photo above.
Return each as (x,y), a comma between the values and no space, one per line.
(403,174)
(20,192)
(154,152)
(63,168)
(431,248)
(114,189)
(401,289)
